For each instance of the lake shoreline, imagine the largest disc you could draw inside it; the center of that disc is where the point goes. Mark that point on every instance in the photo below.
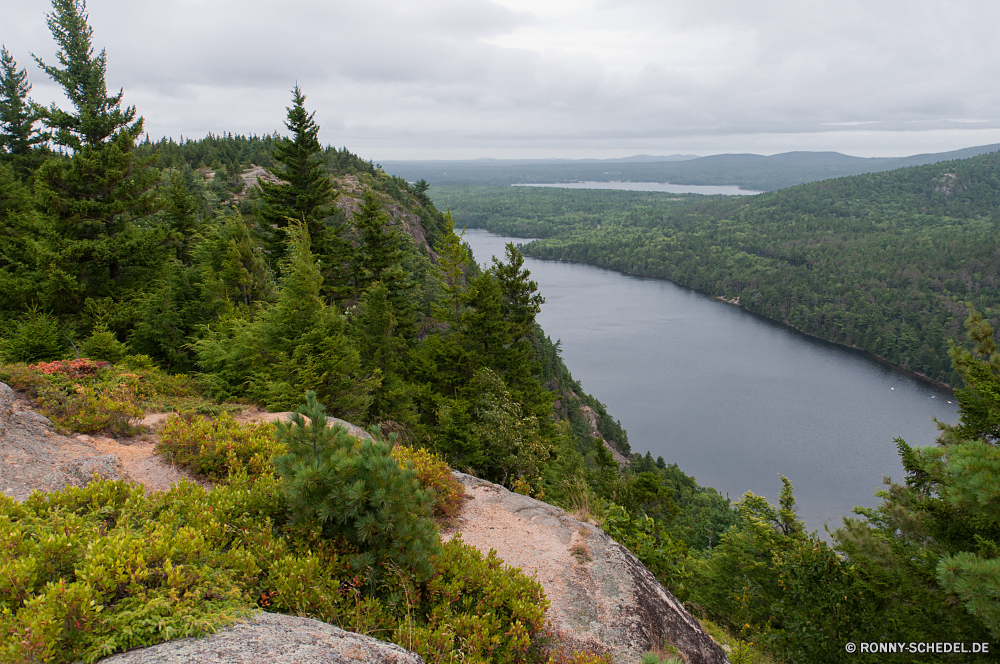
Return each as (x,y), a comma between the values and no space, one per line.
(867,353)
(735,302)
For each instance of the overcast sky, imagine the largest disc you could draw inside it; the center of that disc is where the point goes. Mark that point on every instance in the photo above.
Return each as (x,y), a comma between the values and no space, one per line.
(433,79)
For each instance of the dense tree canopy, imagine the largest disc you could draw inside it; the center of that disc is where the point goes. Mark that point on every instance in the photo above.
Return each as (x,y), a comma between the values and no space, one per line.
(882,262)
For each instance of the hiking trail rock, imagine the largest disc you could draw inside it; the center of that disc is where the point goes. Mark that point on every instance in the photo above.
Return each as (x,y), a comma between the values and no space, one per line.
(272,638)
(603,599)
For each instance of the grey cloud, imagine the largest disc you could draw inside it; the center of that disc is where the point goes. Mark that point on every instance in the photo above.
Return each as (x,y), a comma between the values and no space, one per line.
(443,72)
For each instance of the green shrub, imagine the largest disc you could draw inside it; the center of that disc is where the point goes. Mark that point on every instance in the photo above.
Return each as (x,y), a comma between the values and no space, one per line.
(87,572)
(476,605)
(357,492)
(648,540)
(85,395)
(102,344)
(217,447)
(35,337)
(434,474)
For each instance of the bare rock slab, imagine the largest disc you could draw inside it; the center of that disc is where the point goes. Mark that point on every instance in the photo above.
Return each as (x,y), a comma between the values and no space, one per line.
(33,456)
(272,638)
(602,598)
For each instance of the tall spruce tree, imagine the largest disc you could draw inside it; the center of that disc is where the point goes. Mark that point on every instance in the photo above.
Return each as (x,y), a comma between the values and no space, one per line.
(304,194)
(104,187)
(379,258)
(18,114)
(379,243)
(452,263)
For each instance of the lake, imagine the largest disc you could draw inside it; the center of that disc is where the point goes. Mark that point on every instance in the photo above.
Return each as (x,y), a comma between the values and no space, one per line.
(731,397)
(708,190)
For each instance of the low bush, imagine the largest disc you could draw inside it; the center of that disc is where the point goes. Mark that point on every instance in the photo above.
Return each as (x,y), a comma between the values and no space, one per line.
(88,572)
(92,571)
(85,395)
(215,448)
(434,474)
(476,604)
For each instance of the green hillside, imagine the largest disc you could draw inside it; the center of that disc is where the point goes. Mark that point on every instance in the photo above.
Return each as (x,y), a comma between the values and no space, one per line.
(885,262)
(749,171)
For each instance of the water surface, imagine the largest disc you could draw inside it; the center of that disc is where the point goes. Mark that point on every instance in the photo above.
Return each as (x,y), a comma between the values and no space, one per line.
(731,397)
(708,190)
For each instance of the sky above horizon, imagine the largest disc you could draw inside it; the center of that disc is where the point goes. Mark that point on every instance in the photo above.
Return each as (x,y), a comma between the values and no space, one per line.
(465,79)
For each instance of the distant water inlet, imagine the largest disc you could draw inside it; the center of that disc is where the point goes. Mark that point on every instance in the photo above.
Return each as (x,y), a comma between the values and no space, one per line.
(708,190)
(732,398)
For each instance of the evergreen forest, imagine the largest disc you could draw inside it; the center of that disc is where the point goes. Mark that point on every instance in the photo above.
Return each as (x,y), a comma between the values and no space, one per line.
(885,262)
(202,276)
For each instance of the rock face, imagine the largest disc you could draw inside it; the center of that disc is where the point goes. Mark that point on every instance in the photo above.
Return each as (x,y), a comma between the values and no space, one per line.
(603,599)
(263,416)
(33,456)
(272,638)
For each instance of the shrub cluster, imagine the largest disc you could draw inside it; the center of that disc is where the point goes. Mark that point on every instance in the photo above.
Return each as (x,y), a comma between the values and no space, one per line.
(84,395)
(216,447)
(92,571)
(434,474)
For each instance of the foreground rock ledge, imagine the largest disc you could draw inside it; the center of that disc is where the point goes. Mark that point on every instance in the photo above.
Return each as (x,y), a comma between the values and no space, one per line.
(603,599)
(272,638)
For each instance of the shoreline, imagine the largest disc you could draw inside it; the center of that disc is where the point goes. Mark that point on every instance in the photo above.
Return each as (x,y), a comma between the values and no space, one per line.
(736,303)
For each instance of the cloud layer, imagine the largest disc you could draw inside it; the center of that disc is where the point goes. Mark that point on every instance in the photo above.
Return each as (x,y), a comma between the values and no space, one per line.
(471,78)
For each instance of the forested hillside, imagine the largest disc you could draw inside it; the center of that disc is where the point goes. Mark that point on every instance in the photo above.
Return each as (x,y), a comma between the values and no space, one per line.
(885,262)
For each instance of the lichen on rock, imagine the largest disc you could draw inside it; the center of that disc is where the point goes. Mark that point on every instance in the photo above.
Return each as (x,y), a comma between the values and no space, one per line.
(603,599)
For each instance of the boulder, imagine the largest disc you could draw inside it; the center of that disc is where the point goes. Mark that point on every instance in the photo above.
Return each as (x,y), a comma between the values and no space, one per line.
(106,466)
(603,599)
(272,638)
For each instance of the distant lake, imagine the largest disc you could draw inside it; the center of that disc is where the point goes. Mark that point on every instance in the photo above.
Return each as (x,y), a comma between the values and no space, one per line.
(731,397)
(708,190)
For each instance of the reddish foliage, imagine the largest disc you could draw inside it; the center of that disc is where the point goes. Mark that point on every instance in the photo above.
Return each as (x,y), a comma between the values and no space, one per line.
(80,367)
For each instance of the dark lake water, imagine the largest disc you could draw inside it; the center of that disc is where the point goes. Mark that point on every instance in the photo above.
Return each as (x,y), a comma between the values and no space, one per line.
(732,398)
(708,190)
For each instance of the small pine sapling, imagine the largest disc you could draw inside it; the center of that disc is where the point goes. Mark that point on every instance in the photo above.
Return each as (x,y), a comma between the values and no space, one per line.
(358,493)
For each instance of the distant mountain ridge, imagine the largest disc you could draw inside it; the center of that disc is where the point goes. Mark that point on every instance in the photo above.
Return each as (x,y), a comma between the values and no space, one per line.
(748,171)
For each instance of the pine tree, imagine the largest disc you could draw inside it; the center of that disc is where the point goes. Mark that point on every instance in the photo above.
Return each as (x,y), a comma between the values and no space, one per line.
(18,114)
(379,258)
(99,192)
(357,493)
(517,360)
(232,265)
(304,194)
(453,261)
(930,552)
(98,117)
(521,301)
(379,244)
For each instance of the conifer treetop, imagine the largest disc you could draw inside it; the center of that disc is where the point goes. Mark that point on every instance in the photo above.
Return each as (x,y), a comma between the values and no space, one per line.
(18,114)
(82,76)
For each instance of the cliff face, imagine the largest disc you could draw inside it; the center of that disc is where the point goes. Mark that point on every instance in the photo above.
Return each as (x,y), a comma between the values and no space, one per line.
(603,599)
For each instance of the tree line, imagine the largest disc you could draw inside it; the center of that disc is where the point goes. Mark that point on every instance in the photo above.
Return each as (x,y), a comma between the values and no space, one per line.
(884,262)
